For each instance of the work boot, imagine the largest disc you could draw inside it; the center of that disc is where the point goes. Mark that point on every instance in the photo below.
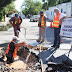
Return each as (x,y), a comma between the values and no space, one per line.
(53,45)
(56,47)
(42,41)
(38,40)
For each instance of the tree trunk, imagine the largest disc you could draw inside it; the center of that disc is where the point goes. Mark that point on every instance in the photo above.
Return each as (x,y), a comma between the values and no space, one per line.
(4,18)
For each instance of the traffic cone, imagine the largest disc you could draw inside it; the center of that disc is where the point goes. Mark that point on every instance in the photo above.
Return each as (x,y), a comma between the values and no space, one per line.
(61,40)
(51,24)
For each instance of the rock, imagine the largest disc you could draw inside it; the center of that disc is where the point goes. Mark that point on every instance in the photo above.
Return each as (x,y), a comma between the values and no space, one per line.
(37,71)
(37,64)
(18,64)
(30,46)
(42,48)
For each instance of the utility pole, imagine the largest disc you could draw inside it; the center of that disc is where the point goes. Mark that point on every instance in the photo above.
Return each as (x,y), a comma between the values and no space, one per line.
(71,7)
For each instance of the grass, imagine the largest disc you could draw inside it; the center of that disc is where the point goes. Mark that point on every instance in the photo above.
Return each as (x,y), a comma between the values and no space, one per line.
(5,28)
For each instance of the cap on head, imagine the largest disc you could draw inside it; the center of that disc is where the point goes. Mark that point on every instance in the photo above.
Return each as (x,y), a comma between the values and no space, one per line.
(14,38)
(56,9)
(16,15)
(41,12)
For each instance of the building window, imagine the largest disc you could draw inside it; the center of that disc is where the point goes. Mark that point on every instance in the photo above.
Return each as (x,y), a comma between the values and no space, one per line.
(51,13)
(65,12)
(61,10)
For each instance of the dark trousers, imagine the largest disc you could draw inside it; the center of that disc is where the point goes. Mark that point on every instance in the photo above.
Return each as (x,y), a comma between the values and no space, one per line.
(57,36)
(10,59)
(15,30)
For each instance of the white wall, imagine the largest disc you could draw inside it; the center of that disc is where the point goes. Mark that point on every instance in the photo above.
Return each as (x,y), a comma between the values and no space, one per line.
(64,8)
(50,12)
(68,10)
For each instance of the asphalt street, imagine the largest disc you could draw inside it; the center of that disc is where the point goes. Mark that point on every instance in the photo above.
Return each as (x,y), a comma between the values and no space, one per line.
(31,30)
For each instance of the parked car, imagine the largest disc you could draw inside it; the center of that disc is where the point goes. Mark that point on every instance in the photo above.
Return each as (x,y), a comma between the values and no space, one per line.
(34,18)
(23,16)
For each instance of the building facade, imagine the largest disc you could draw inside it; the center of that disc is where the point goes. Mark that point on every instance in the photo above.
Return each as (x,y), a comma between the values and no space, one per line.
(63,8)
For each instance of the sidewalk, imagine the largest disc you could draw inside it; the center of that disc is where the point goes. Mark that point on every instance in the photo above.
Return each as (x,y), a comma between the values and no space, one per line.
(32,33)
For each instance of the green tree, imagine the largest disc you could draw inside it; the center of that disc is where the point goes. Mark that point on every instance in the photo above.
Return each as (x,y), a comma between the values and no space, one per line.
(31,7)
(54,2)
(63,1)
(45,6)
(3,3)
(9,8)
(5,6)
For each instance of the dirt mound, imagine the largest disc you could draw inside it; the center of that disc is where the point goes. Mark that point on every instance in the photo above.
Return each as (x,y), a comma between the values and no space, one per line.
(27,55)
(25,60)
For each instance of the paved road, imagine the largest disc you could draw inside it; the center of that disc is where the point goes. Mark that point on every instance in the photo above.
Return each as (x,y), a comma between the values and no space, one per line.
(32,33)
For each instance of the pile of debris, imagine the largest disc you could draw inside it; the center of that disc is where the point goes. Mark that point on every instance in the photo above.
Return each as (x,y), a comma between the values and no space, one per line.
(30,58)
(42,48)
(26,60)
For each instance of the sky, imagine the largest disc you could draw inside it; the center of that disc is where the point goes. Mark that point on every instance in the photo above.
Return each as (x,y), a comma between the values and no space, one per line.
(18,4)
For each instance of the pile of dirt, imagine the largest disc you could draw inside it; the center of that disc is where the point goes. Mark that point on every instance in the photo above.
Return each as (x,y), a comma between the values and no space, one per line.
(24,53)
(26,61)
(30,58)
(17,66)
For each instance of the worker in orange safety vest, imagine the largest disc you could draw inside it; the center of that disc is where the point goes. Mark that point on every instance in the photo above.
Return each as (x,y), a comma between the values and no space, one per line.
(41,25)
(58,17)
(16,22)
(12,49)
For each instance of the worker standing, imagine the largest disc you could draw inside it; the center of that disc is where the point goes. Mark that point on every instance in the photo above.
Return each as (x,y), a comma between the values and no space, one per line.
(42,25)
(16,22)
(11,51)
(58,17)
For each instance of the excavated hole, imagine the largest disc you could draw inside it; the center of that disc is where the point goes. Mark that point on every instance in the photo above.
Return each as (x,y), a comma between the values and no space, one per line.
(22,57)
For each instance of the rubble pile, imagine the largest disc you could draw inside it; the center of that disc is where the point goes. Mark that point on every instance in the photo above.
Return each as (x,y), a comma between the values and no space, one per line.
(12,67)
(32,63)
(24,52)
(21,65)
(42,48)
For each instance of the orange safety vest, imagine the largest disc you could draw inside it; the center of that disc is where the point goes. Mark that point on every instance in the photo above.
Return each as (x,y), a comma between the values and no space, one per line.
(17,20)
(42,22)
(56,21)
(15,51)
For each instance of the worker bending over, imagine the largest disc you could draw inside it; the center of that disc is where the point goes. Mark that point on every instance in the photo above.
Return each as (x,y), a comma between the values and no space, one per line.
(12,49)
(16,22)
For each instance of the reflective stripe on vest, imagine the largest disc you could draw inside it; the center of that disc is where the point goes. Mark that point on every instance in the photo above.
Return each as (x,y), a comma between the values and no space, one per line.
(7,51)
(42,22)
(17,20)
(56,21)
(15,50)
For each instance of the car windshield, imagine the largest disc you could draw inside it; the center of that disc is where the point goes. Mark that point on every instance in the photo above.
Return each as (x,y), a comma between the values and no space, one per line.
(34,16)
